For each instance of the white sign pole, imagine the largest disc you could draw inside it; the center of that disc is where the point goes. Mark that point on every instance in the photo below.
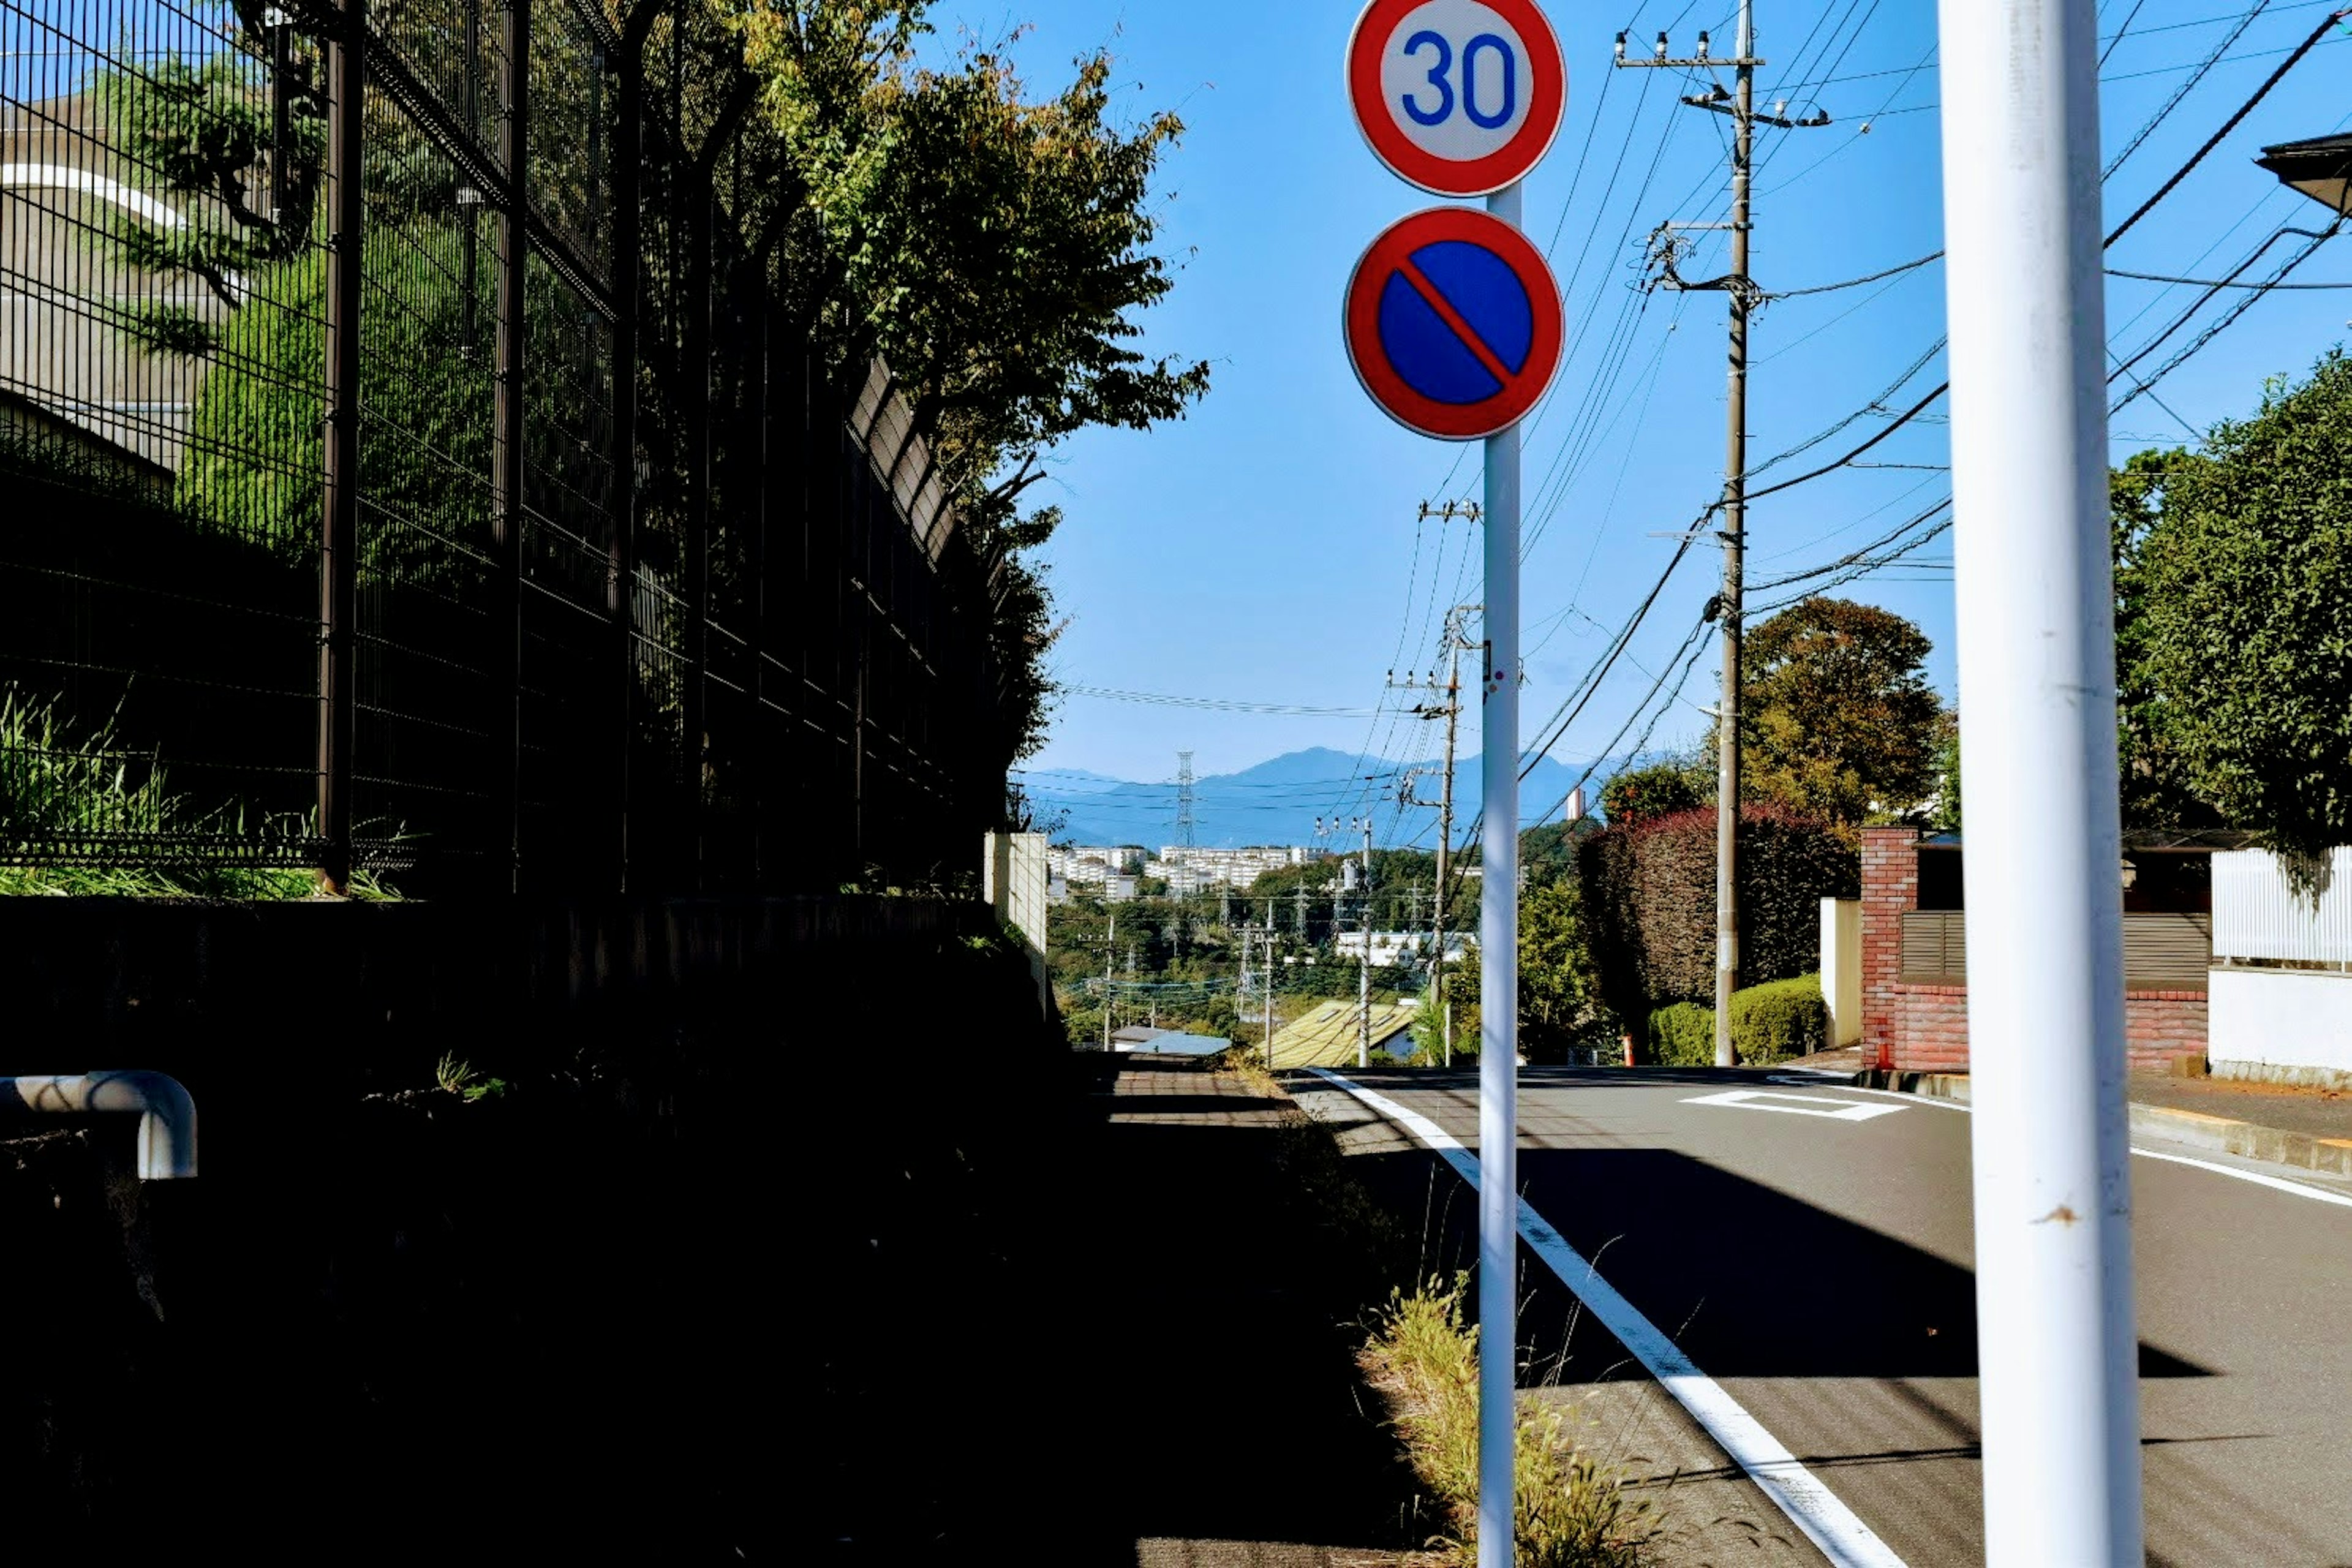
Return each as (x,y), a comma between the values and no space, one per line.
(1498,993)
(2058,1371)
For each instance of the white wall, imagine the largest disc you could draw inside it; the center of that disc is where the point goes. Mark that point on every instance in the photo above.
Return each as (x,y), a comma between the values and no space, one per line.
(2281,1025)
(1842,969)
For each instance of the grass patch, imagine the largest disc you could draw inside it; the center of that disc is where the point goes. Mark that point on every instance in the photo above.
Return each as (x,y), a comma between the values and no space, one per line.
(1569,1511)
(56,786)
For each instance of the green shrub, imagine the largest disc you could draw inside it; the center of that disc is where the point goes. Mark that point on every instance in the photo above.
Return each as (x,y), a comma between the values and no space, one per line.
(1770,1023)
(1683,1035)
(1783,1018)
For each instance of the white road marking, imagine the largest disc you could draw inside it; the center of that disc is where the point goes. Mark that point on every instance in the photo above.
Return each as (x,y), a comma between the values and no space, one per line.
(1800,1104)
(1811,1507)
(2258,1178)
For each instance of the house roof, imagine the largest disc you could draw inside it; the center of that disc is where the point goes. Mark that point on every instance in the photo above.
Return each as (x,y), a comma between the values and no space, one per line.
(1170,1043)
(1326,1036)
(2321,168)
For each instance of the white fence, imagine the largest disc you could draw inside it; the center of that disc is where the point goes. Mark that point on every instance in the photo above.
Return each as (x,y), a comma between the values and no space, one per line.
(2257,913)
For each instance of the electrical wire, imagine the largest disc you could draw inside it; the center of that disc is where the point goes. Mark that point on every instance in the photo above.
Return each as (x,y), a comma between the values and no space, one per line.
(1857,282)
(2217,282)
(1219,704)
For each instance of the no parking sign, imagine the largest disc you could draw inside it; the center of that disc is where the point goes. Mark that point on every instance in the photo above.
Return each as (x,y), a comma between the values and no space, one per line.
(1454,323)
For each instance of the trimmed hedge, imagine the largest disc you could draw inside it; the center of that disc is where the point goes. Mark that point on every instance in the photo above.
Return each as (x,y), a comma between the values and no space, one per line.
(1649,903)
(1770,1023)
(1783,1018)
(1683,1035)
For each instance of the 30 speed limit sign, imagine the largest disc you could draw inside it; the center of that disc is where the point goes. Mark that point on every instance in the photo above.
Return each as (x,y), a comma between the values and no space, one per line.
(1459,97)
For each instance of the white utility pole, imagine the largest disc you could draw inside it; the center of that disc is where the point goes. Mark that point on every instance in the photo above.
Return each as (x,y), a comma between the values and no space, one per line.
(1498,994)
(2058,1370)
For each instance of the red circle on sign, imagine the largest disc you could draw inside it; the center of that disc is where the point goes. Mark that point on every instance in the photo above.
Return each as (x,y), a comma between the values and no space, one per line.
(1379,25)
(1391,255)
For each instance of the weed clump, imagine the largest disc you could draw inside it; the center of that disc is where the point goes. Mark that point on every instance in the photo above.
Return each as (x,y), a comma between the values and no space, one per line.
(1568,1511)
(60,790)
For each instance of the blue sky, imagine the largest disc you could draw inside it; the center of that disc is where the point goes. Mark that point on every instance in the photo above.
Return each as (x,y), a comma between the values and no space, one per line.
(1267,549)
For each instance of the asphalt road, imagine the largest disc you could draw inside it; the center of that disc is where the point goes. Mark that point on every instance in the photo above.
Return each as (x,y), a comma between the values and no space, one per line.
(1818,1269)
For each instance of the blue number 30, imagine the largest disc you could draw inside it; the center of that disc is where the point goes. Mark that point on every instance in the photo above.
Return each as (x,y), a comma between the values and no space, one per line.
(1483,43)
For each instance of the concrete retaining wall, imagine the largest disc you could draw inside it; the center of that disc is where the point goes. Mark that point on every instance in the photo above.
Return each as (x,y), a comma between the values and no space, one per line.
(2281,1025)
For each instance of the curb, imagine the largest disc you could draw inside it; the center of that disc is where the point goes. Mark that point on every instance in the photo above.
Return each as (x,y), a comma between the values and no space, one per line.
(2247,1139)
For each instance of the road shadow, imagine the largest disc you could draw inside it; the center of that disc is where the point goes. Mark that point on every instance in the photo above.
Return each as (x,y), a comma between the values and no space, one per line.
(1748,1280)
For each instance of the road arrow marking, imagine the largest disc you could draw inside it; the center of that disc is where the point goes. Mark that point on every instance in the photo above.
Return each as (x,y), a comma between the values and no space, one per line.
(1798,1104)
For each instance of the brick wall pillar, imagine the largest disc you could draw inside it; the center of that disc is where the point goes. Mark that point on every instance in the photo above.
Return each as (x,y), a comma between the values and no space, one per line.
(1890,886)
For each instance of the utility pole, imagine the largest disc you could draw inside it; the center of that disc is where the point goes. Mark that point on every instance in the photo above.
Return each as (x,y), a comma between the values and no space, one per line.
(1110,941)
(2050,1138)
(1364,962)
(1458,641)
(1745,296)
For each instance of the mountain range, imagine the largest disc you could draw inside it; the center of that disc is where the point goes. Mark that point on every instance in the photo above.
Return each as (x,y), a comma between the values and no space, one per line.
(1280,800)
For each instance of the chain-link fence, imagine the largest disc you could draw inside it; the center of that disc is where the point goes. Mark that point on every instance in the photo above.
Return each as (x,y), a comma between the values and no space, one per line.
(412,464)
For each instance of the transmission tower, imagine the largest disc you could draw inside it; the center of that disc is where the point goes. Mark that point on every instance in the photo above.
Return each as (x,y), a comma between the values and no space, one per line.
(1184,799)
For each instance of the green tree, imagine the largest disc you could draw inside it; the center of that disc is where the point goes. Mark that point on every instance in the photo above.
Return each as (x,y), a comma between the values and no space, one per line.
(2241,654)
(2234,622)
(1658,789)
(1838,720)
(1559,993)
(992,249)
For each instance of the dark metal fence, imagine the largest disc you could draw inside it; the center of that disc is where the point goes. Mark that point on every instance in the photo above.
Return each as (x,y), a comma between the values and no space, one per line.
(411,461)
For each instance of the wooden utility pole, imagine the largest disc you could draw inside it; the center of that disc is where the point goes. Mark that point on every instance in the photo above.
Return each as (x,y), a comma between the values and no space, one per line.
(1745,296)
(1457,641)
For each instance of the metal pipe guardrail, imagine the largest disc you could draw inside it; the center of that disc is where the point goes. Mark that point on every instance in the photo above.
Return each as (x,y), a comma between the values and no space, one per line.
(167,1117)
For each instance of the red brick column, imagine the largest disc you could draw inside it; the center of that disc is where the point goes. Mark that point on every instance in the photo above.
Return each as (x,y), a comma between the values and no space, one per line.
(1890,885)
(2163,1027)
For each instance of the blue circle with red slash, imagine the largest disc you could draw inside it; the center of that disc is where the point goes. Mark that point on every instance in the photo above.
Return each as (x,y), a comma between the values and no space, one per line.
(1454,323)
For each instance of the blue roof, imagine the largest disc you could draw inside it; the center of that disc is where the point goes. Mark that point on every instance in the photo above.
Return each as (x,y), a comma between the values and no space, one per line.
(1172,1044)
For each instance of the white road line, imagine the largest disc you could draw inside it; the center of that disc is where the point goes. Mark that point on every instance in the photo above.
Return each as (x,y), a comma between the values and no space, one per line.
(1811,1507)
(2258,1178)
(1806,1104)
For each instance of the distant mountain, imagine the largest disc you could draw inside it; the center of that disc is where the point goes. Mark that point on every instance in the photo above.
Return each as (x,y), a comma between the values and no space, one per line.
(1278,801)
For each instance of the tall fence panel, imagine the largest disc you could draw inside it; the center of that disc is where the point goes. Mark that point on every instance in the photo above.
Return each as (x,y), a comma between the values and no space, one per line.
(2259,914)
(632,593)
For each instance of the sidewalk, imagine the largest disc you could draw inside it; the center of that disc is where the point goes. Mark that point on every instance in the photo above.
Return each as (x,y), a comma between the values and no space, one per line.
(1213,1378)
(2308,1128)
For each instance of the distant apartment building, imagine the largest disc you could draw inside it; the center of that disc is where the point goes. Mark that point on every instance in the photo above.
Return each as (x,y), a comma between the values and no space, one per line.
(1207,870)
(1084,864)
(1391,948)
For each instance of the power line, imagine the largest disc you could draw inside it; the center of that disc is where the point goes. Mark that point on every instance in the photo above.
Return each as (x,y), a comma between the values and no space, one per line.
(2217,282)
(1217,704)
(1855,282)
(2181,92)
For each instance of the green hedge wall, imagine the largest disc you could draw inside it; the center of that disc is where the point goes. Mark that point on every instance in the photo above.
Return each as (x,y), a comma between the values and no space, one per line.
(1649,903)
(1770,1023)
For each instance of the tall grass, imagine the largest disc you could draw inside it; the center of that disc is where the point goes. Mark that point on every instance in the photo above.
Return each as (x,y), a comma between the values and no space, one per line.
(1568,1510)
(55,786)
